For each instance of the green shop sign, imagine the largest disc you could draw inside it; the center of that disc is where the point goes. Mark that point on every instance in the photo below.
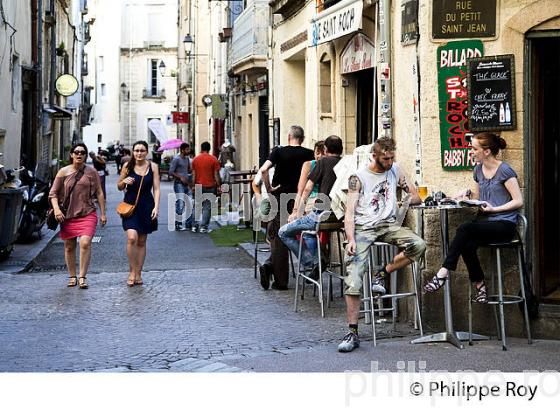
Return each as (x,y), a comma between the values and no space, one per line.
(453,102)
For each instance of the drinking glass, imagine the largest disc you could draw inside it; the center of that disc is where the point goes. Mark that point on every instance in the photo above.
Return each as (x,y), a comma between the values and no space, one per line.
(423,192)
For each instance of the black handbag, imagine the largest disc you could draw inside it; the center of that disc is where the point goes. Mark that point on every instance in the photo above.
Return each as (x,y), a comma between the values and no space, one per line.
(52,222)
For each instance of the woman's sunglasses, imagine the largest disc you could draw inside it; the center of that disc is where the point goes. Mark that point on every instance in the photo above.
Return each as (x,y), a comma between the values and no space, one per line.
(79,152)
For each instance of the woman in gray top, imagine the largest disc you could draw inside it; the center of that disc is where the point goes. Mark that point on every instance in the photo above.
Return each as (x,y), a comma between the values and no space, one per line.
(497,187)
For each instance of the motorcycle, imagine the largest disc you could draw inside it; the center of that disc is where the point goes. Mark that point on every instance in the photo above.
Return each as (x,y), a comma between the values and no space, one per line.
(35,206)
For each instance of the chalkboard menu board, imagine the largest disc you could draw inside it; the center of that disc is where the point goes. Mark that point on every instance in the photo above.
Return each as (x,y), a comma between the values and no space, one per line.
(491,86)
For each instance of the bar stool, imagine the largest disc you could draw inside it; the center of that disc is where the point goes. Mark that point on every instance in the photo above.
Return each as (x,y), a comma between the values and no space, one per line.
(322,225)
(500,299)
(257,249)
(379,255)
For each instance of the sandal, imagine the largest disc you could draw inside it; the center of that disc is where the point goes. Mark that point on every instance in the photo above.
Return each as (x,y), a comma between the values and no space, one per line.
(72,282)
(130,282)
(482,295)
(82,283)
(434,284)
(139,282)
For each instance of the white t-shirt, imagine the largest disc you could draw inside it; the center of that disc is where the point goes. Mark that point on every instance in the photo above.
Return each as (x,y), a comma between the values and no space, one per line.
(377,205)
(259,182)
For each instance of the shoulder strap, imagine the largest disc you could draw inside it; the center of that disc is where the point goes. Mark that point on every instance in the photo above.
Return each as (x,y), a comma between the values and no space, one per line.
(77,178)
(141,182)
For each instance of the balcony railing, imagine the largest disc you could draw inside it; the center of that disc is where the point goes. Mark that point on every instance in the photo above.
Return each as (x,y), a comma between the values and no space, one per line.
(250,34)
(159,94)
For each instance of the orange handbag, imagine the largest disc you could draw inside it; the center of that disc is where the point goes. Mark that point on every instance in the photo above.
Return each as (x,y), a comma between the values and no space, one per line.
(124,209)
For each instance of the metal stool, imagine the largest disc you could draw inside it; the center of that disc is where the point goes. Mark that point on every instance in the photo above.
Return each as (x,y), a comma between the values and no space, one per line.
(266,249)
(381,252)
(500,299)
(321,226)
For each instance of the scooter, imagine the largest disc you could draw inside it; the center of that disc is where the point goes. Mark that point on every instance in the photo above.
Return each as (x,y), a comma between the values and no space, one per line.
(35,206)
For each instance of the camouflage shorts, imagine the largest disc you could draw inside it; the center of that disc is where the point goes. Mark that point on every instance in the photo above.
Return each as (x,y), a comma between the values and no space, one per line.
(356,265)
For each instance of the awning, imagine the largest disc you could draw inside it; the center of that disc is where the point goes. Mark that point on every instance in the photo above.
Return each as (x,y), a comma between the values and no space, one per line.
(57,113)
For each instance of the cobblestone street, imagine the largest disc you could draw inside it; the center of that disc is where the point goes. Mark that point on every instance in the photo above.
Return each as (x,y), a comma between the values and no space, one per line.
(200,310)
(199,304)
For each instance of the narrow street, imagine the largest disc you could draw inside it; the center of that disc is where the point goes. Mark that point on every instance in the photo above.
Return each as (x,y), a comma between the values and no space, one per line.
(198,302)
(200,310)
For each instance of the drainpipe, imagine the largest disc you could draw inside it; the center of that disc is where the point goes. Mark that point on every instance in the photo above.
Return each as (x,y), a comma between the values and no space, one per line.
(53,54)
(39,72)
(384,19)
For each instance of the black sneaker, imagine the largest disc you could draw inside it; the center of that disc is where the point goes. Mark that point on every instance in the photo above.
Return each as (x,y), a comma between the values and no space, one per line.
(378,285)
(350,342)
(265,276)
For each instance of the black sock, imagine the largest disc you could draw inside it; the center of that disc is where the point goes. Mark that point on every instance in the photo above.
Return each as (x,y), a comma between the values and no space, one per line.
(382,272)
(353,328)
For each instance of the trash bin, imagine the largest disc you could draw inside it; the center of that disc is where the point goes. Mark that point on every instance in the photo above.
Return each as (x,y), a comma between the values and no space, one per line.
(11,200)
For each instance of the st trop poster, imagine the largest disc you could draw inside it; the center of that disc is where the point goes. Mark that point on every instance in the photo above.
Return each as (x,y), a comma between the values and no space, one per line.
(453,102)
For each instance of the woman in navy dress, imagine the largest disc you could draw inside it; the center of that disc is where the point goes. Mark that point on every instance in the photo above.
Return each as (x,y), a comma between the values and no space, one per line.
(144,219)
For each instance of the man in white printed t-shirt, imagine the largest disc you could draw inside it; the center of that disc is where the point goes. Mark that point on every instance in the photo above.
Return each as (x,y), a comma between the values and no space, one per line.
(371,215)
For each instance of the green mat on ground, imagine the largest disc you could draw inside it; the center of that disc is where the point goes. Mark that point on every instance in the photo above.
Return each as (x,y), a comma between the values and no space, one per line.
(231,236)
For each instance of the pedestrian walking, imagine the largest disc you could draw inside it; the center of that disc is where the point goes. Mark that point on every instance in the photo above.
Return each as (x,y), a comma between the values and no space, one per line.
(205,171)
(119,153)
(140,178)
(100,165)
(180,169)
(72,196)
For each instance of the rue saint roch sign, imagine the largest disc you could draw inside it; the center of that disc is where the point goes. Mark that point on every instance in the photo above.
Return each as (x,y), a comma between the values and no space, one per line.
(336,21)
(453,19)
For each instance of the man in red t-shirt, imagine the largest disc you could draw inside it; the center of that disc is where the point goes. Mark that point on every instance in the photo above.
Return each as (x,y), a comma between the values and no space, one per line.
(206,177)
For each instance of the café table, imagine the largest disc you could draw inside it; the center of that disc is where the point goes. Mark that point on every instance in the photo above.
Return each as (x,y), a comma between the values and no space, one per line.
(450,335)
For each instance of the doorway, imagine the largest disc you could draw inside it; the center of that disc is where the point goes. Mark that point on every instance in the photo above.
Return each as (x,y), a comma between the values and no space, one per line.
(365,123)
(264,133)
(542,173)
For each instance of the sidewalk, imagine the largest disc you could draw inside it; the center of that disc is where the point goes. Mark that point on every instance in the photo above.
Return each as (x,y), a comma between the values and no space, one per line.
(24,253)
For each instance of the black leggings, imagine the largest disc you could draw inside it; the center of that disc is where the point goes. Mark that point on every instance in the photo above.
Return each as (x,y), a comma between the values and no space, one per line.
(469,237)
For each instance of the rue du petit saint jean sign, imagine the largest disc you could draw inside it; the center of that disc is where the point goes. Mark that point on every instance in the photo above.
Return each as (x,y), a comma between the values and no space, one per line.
(453,19)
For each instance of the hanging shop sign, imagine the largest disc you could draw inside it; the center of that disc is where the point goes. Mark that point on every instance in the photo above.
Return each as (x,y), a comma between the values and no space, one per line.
(219,106)
(337,21)
(491,100)
(66,85)
(357,55)
(452,62)
(463,19)
(409,22)
(180,117)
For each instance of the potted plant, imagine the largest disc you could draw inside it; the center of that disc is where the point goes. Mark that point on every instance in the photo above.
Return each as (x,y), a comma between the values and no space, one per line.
(60,50)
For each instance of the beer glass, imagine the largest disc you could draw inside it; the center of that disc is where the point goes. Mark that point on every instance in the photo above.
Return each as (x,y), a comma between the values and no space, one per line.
(423,192)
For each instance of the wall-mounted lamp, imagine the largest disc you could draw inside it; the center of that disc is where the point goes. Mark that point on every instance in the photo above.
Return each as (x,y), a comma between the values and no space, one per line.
(124,91)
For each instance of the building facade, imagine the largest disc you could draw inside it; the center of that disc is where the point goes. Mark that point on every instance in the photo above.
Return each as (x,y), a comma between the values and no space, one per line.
(42,40)
(362,69)
(148,68)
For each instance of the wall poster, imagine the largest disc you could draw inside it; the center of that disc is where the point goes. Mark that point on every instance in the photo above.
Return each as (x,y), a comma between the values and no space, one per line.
(453,102)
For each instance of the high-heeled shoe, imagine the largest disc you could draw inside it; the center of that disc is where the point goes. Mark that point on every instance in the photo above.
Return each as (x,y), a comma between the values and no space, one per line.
(73,281)
(130,282)
(138,282)
(82,282)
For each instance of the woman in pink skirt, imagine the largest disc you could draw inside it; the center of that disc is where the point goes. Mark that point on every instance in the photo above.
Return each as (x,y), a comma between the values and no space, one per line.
(72,195)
